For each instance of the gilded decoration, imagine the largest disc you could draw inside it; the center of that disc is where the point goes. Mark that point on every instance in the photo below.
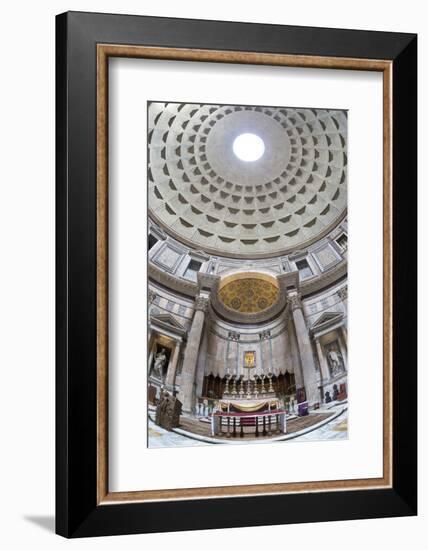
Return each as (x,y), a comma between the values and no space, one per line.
(250,359)
(250,294)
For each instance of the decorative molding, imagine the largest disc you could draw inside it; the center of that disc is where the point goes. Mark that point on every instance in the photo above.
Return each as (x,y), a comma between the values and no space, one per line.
(295,301)
(202,304)
(199,255)
(245,339)
(208,281)
(328,320)
(166,318)
(343,293)
(326,256)
(157,232)
(308,286)
(287,280)
(320,282)
(168,248)
(167,322)
(297,255)
(183,286)
(256,255)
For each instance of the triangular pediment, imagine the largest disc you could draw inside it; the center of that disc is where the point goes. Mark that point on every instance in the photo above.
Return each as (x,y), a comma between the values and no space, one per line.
(327,318)
(166,319)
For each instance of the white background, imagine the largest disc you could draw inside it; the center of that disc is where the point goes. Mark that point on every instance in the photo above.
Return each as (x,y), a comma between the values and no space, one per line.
(27,272)
(132,83)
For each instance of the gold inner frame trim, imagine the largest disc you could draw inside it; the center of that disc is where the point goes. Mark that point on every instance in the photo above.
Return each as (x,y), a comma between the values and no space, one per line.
(104,51)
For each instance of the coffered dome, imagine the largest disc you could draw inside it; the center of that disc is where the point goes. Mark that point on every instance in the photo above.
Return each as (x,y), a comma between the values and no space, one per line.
(205,195)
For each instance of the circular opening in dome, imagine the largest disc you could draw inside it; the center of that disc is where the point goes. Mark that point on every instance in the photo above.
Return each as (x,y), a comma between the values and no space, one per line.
(248,147)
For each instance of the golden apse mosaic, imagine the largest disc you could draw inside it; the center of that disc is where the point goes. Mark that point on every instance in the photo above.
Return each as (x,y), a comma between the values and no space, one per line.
(251,294)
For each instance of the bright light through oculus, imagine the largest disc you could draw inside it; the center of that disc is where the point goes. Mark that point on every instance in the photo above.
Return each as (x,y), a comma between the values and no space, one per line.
(248,147)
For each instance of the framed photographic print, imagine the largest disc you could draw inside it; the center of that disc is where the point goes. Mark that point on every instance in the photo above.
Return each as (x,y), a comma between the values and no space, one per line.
(236,268)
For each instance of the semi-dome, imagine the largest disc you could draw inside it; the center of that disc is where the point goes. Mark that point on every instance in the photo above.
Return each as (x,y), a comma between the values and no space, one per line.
(248,292)
(205,196)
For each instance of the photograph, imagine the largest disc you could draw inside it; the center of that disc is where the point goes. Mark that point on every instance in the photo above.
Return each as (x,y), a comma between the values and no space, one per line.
(247,274)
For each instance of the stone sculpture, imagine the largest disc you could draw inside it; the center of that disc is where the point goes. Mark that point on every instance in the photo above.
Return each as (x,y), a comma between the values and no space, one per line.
(160,360)
(168,411)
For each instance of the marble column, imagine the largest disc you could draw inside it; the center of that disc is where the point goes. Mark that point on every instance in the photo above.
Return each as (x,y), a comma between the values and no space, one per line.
(188,372)
(305,349)
(325,373)
(172,367)
(298,376)
(151,297)
(234,362)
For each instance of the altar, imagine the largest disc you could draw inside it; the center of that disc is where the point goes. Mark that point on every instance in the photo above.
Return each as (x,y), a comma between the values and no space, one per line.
(257,387)
(254,418)
(249,405)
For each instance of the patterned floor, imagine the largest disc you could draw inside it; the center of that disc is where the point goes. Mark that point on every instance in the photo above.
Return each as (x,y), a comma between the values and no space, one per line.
(158,437)
(334,430)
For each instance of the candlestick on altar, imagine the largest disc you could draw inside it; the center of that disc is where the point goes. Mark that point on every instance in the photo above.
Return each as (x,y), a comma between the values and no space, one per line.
(241,385)
(270,376)
(226,389)
(234,391)
(262,388)
(249,367)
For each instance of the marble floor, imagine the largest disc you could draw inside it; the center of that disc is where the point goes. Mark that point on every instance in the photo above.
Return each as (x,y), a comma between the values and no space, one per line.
(158,437)
(336,429)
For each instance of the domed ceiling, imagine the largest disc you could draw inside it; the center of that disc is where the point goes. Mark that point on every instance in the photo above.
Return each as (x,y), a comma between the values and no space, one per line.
(248,292)
(203,194)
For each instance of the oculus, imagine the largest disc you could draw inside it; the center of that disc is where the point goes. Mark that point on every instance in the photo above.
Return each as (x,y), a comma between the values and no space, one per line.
(248,147)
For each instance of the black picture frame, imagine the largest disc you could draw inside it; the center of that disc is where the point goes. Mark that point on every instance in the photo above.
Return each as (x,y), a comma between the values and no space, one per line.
(78,513)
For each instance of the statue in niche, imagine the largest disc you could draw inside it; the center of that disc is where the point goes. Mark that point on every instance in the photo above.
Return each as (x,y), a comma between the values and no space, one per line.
(159,363)
(335,360)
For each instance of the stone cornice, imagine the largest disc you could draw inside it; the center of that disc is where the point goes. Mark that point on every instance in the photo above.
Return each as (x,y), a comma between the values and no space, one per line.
(189,288)
(326,279)
(170,281)
(159,325)
(208,282)
(222,253)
